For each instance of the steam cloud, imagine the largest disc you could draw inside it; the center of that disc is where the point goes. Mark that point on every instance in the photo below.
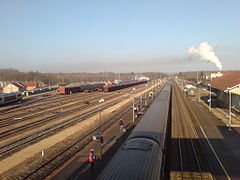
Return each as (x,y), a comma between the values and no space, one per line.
(206,53)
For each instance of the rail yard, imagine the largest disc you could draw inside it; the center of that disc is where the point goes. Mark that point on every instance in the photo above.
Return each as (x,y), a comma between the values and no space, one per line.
(44,136)
(26,124)
(119,90)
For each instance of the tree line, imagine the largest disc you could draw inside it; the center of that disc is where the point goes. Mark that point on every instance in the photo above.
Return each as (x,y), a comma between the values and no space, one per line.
(12,75)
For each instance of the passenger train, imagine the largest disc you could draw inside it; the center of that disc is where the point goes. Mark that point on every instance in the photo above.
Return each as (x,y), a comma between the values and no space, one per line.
(142,156)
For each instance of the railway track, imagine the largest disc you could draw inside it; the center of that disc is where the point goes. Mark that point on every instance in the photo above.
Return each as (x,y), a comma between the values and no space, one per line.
(31,106)
(46,168)
(191,161)
(35,103)
(15,145)
(25,102)
(20,143)
(34,137)
(49,166)
(61,105)
(42,121)
(42,111)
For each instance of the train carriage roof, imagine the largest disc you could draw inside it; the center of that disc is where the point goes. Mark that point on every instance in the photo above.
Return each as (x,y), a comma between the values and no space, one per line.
(9,94)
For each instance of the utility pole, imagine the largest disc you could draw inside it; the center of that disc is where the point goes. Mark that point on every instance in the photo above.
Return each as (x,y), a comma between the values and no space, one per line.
(133,109)
(100,128)
(210,98)
(140,102)
(230,110)
(197,89)
(197,77)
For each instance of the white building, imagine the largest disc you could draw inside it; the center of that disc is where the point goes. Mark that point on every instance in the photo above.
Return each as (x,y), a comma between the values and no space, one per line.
(215,75)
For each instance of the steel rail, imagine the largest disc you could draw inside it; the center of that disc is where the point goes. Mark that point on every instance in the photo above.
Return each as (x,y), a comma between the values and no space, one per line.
(64,99)
(209,143)
(9,121)
(7,133)
(84,140)
(188,133)
(18,144)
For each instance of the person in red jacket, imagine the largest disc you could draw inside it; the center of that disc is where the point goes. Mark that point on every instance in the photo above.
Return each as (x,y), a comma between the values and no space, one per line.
(91,158)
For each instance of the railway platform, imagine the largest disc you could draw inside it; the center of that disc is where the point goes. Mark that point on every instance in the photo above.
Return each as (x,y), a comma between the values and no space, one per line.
(79,167)
(220,146)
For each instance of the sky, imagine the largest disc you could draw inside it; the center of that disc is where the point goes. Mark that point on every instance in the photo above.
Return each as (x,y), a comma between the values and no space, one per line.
(117,36)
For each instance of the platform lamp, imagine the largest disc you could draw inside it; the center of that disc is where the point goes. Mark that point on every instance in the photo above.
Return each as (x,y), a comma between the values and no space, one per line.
(210,98)
(145,95)
(133,104)
(100,130)
(230,109)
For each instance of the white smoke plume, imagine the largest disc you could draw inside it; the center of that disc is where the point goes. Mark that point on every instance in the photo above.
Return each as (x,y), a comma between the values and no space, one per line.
(206,53)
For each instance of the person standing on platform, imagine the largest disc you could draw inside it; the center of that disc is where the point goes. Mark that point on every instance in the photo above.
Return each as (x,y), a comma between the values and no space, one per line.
(91,158)
(121,124)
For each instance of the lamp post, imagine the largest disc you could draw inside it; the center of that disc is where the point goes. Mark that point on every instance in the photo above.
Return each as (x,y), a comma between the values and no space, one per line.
(145,96)
(230,110)
(210,98)
(133,104)
(100,129)
(140,102)
(133,109)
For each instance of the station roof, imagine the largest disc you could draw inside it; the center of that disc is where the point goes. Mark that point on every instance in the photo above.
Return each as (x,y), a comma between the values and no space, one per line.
(228,80)
(19,85)
(26,84)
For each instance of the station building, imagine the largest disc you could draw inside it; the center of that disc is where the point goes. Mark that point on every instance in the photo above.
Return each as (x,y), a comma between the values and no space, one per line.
(20,86)
(30,85)
(216,75)
(229,82)
(14,87)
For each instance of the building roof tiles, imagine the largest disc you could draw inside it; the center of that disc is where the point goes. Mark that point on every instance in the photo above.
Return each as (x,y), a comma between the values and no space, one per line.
(228,80)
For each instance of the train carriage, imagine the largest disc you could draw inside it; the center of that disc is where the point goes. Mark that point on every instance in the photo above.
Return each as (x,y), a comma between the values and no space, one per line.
(142,155)
(10,97)
(114,87)
(80,88)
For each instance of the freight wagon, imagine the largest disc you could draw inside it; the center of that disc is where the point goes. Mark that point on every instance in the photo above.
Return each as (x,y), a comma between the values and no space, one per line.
(80,88)
(10,97)
(114,87)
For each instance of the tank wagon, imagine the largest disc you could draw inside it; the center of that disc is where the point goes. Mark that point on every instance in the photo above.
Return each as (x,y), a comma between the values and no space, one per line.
(80,88)
(10,97)
(114,87)
(142,155)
